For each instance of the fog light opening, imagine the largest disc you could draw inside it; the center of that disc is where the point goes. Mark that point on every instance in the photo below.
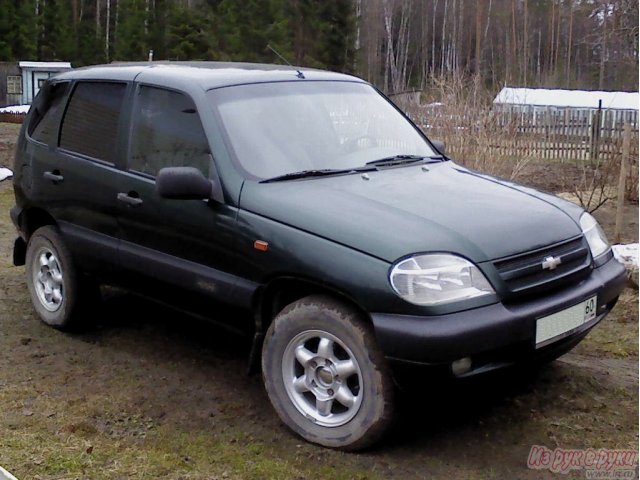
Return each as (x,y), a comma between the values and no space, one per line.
(461,366)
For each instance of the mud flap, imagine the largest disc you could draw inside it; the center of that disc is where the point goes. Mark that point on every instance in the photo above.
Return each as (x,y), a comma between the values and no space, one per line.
(255,357)
(19,252)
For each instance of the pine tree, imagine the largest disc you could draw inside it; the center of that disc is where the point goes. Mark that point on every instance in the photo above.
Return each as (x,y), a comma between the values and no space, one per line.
(88,46)
(335,43)
(158,37)
(7,16)
(189,37)
(246,28)
(320,33)
(56,42)
(24,31)
(132,34)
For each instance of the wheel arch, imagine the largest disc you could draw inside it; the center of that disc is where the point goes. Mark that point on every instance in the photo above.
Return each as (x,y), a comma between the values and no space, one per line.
(29,221)
(284,290)
(281,291)
(33,218)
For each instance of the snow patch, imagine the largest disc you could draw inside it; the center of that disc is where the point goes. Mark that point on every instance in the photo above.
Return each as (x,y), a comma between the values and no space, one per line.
(19,109)
(5,173)
(4,475)
(626,254)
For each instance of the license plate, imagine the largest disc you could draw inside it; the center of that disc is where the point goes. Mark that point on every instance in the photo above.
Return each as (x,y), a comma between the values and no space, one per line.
(554,327)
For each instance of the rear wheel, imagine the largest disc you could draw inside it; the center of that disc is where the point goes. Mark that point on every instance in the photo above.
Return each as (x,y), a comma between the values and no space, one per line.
(58,293)
(325,375)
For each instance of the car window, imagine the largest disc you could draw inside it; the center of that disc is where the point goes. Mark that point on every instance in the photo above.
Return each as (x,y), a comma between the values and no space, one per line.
(167,132)
(44,121)
(90,125)
(284,127)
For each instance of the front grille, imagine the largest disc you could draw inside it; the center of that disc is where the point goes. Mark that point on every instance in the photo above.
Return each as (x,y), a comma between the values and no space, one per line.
(523,273)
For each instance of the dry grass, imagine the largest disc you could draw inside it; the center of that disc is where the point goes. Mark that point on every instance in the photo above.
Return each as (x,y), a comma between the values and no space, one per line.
(459,111)
(617,335)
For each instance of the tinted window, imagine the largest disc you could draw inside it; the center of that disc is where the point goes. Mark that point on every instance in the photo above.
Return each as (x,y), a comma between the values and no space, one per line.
(167,133)
(46,117)
(90,125)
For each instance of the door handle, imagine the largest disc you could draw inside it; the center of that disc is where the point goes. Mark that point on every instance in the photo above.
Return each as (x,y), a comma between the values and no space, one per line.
(127,198)
(54,176)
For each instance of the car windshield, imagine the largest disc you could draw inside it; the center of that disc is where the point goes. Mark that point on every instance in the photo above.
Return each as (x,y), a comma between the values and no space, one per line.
(286,127)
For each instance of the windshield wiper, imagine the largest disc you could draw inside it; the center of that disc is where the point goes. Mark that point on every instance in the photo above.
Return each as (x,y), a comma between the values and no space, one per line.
(316,173)
(404,159)
(368,167)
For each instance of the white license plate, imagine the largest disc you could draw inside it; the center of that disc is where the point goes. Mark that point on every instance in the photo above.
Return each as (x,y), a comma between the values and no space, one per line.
(552,326)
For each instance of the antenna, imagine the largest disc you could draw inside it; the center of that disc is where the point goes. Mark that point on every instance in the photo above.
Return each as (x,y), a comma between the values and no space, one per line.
(300,74)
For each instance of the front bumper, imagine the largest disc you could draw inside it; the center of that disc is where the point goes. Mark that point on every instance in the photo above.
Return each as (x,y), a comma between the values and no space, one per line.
(496,335)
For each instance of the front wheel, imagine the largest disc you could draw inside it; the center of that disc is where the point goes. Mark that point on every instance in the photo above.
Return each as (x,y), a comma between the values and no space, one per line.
(326,376)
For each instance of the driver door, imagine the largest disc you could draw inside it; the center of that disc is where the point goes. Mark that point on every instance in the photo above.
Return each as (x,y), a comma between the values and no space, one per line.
(186,244)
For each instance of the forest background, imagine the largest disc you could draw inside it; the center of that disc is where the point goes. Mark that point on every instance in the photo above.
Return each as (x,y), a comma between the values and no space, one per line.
(398,45)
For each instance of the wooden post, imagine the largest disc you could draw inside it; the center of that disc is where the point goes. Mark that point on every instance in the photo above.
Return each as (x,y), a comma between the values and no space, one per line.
(626,143)
(596,126)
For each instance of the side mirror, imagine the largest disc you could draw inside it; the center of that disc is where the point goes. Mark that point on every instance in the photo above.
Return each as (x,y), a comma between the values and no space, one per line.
(183,183)
(439,144)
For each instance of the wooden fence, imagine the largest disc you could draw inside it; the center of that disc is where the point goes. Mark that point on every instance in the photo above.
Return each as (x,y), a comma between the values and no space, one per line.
(562,134)
(12,117)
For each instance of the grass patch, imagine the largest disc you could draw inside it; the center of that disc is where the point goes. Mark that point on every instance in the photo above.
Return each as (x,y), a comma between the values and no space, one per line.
(167,452)
(617,335)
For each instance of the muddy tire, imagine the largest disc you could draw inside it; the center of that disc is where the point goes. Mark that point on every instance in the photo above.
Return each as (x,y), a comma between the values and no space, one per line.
(59,294)
(326,376)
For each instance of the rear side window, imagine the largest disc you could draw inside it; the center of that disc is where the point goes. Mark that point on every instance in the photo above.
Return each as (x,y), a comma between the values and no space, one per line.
(46,117)
(167,132)
(90,125)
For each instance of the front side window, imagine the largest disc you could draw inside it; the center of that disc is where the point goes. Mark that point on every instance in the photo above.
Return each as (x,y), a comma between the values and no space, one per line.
(43,125)
(167,132)
(285,127)
(90,124)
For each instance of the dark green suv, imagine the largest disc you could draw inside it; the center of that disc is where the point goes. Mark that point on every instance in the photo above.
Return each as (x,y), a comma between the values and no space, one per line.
(308,198)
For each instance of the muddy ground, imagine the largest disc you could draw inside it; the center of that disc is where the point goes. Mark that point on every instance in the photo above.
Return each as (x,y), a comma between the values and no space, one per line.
(149,393)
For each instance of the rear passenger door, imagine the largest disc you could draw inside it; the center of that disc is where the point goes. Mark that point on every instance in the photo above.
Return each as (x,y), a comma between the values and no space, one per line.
(42,160)
(186,243)
(81,169)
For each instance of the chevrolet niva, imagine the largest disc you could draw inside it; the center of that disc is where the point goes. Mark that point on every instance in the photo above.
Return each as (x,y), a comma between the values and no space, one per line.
(308,198)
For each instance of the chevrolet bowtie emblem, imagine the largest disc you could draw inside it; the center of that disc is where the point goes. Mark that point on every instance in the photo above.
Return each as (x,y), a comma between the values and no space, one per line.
(550,263)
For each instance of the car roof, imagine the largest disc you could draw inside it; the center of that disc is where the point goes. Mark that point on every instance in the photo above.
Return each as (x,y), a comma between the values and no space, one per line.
(207,75)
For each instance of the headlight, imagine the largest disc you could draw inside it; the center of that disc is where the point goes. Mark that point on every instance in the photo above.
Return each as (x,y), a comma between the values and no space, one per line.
(438,278)
(596,238)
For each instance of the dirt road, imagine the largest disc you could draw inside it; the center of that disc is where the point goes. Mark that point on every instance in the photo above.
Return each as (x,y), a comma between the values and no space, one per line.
(150,393)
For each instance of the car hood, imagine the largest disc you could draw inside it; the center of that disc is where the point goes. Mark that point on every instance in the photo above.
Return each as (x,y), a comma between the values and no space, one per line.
(406,210)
